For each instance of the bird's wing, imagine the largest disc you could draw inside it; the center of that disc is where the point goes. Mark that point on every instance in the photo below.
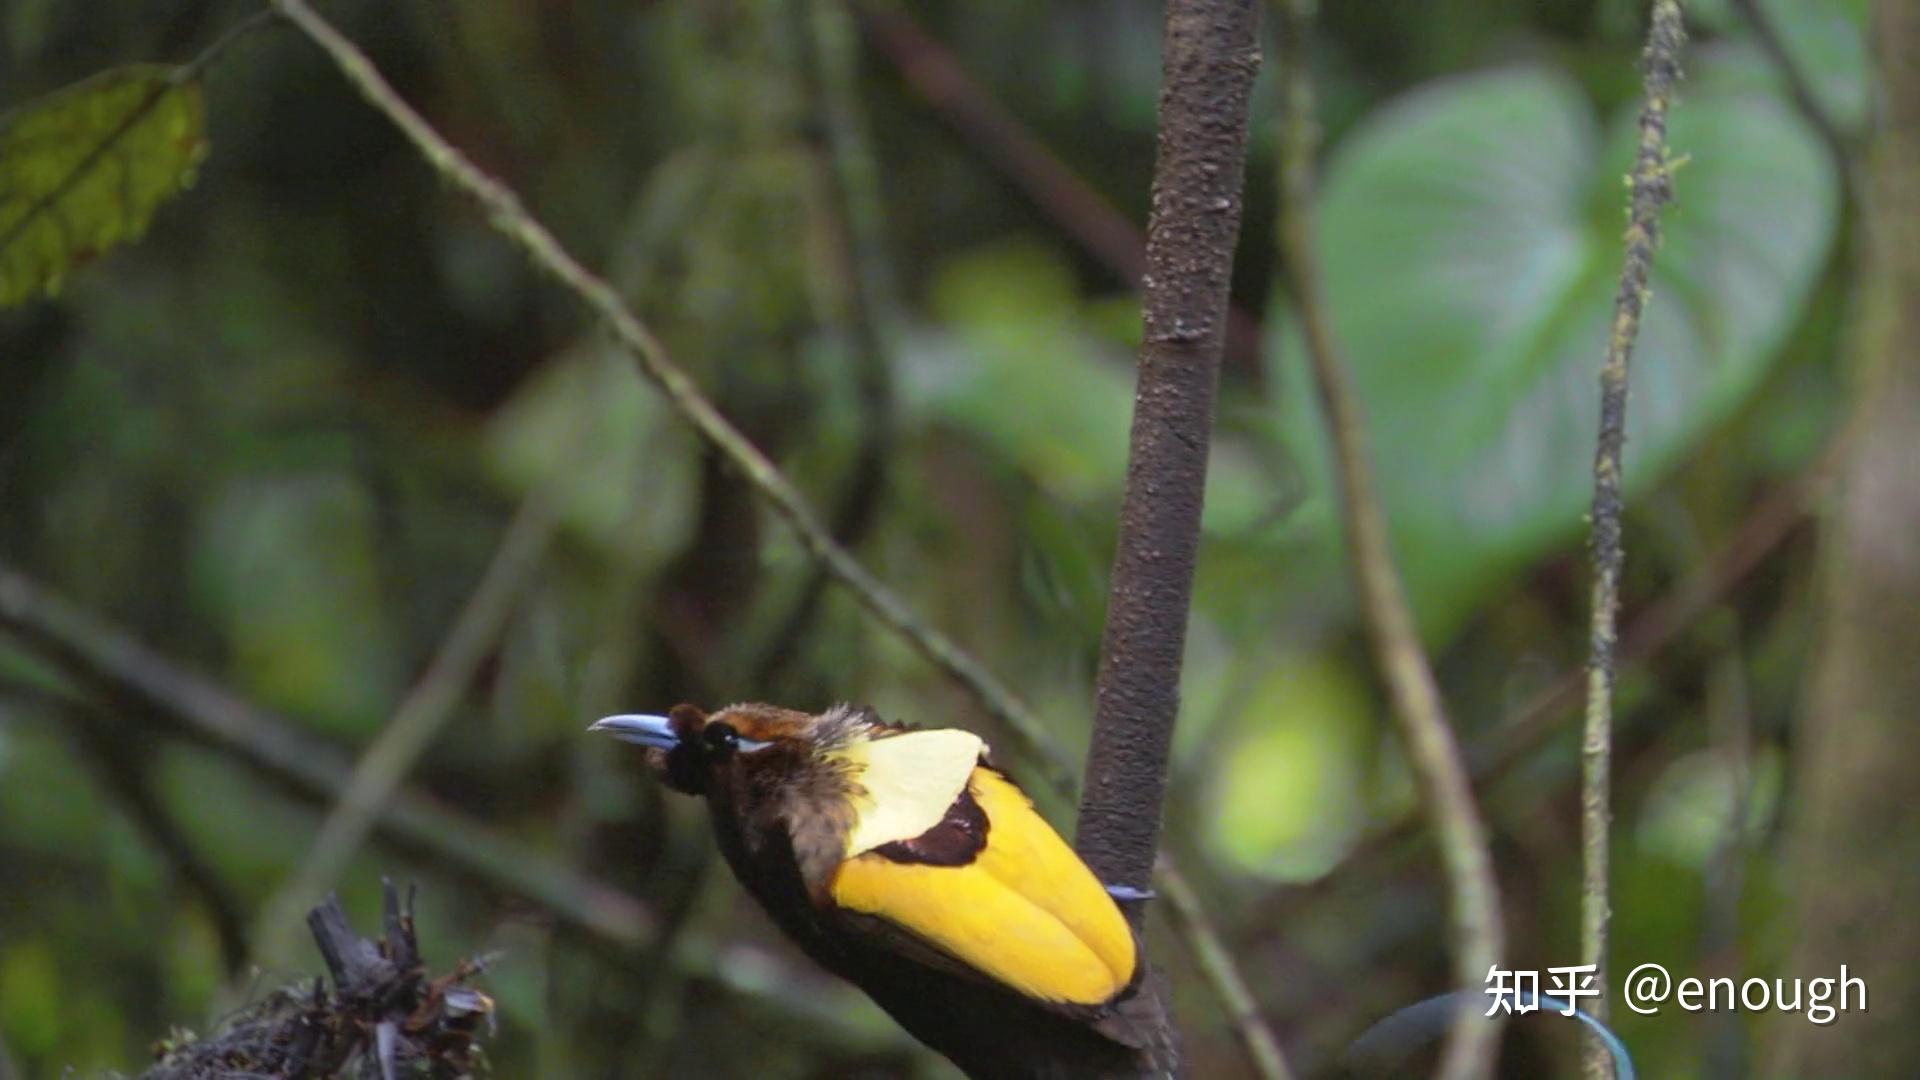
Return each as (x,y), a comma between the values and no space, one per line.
(1023,911)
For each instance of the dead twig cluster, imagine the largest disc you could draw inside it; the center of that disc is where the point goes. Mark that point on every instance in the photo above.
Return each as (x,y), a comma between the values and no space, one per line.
(382,1017)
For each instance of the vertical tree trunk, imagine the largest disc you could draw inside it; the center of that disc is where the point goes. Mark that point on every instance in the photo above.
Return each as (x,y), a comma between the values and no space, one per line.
(1855,837)
(1210,59)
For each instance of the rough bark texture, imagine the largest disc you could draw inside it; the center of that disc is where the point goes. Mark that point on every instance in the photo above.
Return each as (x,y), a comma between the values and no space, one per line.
(1855,837)
(1210,61)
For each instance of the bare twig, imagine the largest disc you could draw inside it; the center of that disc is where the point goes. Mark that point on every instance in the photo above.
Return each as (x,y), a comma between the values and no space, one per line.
(1652,188)
(1656,627)
(1243,1012)
(384,765)
(1080,211)
(1446,791)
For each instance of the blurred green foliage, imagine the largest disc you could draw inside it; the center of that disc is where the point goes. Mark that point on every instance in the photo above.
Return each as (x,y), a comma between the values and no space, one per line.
(1471,239)
(278,439)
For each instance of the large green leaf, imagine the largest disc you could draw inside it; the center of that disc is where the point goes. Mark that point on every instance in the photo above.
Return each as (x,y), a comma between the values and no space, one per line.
(1471,238)
(1826,40)
(84,169)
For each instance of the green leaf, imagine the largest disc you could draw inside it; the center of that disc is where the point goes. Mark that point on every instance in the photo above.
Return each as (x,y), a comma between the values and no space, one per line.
(1826,41)
(1471,239)
(1022,368)
(84,169)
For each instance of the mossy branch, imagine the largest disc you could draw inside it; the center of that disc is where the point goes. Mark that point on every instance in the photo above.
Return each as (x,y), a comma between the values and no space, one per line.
(1446,791)
(1652,182)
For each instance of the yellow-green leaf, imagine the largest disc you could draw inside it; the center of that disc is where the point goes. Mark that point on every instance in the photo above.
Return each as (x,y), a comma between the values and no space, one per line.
(84,169)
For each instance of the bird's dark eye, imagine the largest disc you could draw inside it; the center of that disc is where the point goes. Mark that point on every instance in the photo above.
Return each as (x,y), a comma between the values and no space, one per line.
(721,740)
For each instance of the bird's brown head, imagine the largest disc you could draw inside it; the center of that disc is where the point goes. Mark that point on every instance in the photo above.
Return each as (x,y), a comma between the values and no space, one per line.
(695,751)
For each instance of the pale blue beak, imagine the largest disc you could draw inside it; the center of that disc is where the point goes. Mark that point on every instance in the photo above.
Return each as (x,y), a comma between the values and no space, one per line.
(641,728)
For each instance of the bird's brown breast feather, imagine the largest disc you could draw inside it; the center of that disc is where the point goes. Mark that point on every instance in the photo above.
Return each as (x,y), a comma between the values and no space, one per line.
(955,841)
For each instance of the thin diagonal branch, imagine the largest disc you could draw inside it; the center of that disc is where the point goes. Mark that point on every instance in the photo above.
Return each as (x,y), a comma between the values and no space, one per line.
(1243,1011)
(1779,516)
(122,761)
(425,710)
(1800,89)
(1652,188)
(1030,742)
(1079,210)
(124,768)
(1445,788)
